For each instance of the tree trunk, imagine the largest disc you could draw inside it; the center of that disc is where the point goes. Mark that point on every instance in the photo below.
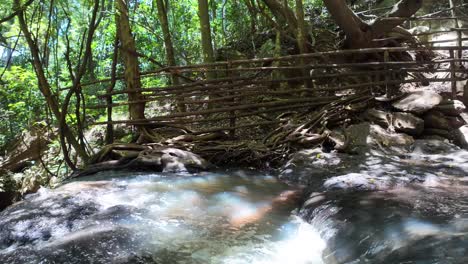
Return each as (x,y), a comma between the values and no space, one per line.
(283,14)
(455,12)
(130,60)
(301,35)
(360,34)
(207,46)
(162,14)
(44,85)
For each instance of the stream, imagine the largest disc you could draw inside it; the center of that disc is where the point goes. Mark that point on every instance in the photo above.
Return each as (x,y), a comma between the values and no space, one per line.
(229,217)
(409,209)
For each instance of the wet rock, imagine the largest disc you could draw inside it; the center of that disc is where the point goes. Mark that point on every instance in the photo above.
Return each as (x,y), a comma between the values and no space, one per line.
(338,139)
(439,132)
(418,102)
(461,136)
(433,146)
(364,136)
(401,122)
(437,120)
(171,160)
(311,166)
(408,123)
(397,226)
(158,159)
(455,122)
(180,160)
(379,117)
(96,244)
(451,107)
(358,182)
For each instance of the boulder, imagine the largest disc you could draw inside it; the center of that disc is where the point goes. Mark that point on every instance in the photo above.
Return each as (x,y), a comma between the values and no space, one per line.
(437,120)
(311,166)
(455,122)
(381,137)
(170,160)
(438,132)
(418,102)
(362,137)
(358,182)
(461,136)
(408,123)
(401,122)
(160,159)
(378,117)
(451,107)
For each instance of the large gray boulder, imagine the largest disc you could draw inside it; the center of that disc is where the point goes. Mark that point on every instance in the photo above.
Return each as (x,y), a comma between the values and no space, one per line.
(311,166)
(451,107)
(436,120)
(401,122)
(171,160)
(408,123)
(418,102)
(362,137)
(379,117)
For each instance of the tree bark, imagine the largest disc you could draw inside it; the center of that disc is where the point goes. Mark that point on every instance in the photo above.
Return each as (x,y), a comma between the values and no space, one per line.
(168,45)
(207,46)
(360,34)
(301,35)
(283,14)
(130,59)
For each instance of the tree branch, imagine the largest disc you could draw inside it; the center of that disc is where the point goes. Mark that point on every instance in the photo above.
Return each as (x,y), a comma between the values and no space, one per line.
(21,9)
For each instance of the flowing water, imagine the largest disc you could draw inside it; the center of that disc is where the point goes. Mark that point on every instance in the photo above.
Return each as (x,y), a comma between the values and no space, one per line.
(232,217)
(235,217)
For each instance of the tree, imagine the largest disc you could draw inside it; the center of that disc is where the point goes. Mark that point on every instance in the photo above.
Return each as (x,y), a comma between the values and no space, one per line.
(169,47)
(130,59)
(44,85)
(207,46)
(360,34)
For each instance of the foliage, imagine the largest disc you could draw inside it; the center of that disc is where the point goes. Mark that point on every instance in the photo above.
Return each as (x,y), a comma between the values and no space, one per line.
(21,103)
(59,28)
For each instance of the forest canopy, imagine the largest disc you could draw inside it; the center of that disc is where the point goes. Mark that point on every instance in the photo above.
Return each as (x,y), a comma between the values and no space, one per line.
(48,48)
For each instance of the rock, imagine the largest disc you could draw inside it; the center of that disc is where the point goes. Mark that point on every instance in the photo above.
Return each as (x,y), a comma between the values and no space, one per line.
(338,138)
(311,166)
(402,122)
(378,117)
(364,136)
(439,132)
(437,120)
(461,136)
(451,107)
(383,138)
(433,147)
(418,102)
(358,182)
(171,160)
(28,148)
(164,159)
(408,123)
(455,122)
(8,190)
(433,137)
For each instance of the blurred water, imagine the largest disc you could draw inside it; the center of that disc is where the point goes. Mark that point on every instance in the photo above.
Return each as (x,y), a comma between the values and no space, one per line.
(235,217)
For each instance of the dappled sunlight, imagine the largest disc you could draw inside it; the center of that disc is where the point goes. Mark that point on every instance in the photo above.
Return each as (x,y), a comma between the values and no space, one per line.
(225,218)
